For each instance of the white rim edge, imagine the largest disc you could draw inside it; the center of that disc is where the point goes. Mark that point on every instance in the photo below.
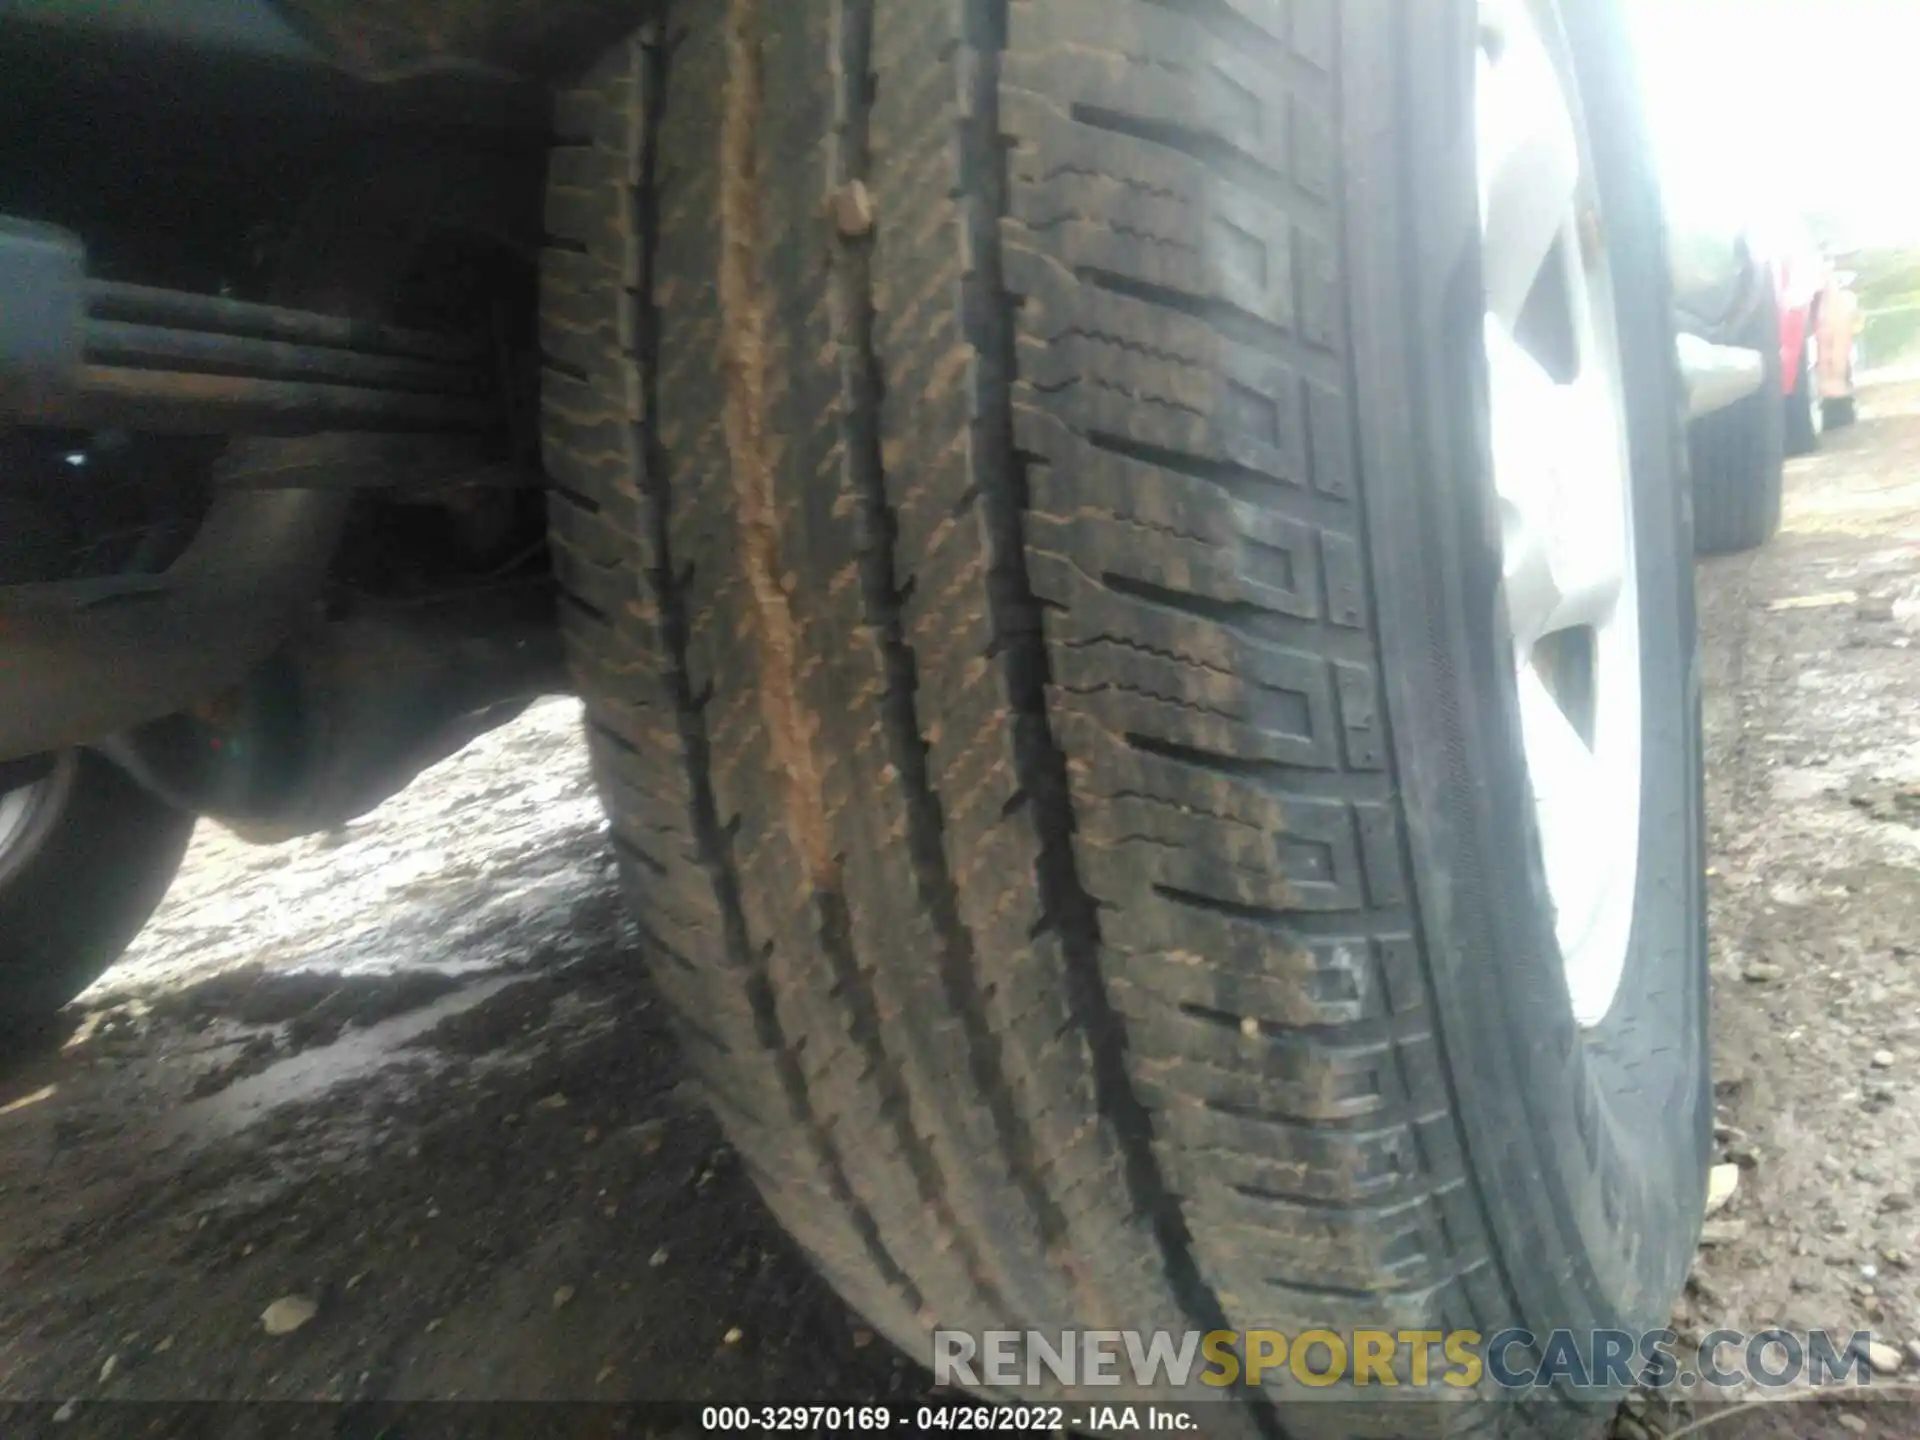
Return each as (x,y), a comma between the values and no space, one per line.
(1564,480)
(27,814)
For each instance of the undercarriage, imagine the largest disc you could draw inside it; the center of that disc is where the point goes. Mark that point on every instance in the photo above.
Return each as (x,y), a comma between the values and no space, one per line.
(272,510)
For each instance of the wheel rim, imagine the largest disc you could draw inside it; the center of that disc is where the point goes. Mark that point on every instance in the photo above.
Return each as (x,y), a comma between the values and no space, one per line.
(1563,477)
(1816,408)
(20,814)
(27,815)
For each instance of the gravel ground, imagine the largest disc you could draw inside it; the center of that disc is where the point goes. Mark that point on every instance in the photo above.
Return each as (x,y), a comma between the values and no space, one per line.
(406,1085)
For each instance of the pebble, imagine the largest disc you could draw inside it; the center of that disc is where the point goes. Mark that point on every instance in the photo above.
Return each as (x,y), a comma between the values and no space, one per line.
(1852,1423)
(1884,1359)
(1869,1173)
(287,1314)
(1723,1232)
(1898,1202)
(1913,1351)
(1883,1059)
(1702,1289)
(164,1346)
(1762,973)
(562,1296)
(853,210)
(658,1258)
(1722,1181)
(1829,1165)
(732,1337)
(1746,1154)
(107,1368)
(555,1101)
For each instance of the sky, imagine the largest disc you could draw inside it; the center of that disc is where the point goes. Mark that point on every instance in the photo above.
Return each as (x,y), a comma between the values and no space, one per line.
(1812,105)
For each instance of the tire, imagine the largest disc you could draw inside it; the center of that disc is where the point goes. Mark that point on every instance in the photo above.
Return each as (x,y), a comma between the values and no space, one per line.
(1739,457)
(89,867)
(1840,413)
(1803,410)
(1035,596)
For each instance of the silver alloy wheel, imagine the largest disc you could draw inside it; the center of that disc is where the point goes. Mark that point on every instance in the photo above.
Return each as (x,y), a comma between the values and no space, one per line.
(1563,474)
(1810,396)
(28,813)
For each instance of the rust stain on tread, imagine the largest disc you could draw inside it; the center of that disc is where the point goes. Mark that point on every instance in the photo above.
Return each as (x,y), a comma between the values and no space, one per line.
(752,450)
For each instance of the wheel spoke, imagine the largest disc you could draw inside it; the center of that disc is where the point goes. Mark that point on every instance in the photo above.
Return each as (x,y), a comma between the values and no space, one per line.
(16,809)
(1530,165)
(1568,801)
(1563,522)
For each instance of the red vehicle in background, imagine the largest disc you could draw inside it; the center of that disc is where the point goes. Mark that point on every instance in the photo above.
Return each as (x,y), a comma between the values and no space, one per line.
(1819,326)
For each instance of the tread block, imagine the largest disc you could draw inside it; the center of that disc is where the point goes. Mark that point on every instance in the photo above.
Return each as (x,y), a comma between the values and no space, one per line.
(1155,70)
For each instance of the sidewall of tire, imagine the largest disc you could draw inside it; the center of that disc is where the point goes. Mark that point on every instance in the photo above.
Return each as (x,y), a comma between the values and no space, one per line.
(1739,455)
(102,867)
(1590,1173)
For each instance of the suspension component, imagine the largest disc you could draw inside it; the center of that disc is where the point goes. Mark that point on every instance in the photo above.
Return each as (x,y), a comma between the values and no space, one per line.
(88,354)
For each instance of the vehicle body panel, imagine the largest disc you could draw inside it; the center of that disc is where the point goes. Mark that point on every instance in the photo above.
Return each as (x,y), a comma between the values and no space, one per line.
(1718,275)
(1801,276)
(1714,281)
(239,27)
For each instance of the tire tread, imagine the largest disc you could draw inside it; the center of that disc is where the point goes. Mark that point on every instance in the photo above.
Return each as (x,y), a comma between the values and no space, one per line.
(1048,948)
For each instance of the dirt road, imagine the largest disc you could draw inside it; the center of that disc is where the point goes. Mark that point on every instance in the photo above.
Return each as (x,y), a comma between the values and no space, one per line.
(407,1087)
(411,1076)
(1811,656)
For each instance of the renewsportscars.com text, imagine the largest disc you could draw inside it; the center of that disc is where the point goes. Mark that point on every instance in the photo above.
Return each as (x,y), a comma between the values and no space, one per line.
(1413,1360)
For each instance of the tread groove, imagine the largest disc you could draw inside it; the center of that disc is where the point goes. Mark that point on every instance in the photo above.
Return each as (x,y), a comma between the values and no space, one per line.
(1292,922)
(1256,621)
(1239,326)
(1281,776)
(1241,483)
(715,841)
(883,601)
(1354,1125)
(1224,159)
